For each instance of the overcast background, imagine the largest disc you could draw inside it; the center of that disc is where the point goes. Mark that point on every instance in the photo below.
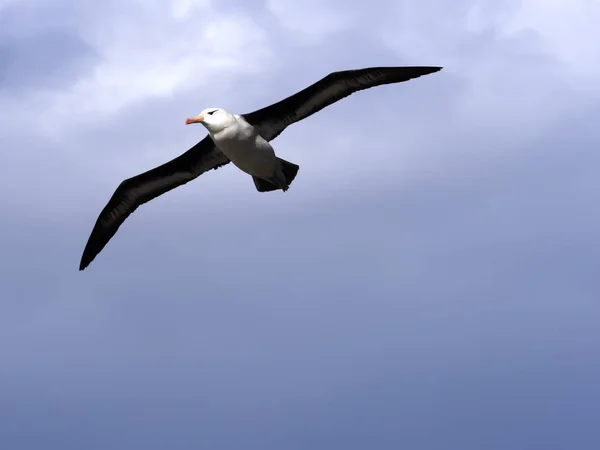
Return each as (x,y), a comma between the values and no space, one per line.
(430,281)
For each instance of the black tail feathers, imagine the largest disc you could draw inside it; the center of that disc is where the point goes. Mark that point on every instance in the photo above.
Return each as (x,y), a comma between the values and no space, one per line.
(289,171)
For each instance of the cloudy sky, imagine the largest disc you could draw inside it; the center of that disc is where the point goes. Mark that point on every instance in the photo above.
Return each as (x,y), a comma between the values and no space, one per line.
(430,281)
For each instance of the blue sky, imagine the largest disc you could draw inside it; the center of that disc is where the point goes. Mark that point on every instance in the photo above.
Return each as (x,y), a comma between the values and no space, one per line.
(429,281)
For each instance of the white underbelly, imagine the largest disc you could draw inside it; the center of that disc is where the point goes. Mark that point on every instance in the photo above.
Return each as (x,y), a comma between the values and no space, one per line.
(254,160)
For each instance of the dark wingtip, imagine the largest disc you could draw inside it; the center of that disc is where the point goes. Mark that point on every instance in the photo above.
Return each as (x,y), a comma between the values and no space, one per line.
(85,261)
(427,70)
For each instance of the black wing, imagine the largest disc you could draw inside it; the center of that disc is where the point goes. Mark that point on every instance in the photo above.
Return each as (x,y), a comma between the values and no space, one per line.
(273,119)
(142,188)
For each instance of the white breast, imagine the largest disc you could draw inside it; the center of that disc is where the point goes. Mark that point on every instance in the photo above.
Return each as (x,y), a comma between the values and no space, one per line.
(246,148)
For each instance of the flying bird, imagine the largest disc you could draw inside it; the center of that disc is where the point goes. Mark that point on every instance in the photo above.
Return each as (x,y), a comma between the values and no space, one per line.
(242,139)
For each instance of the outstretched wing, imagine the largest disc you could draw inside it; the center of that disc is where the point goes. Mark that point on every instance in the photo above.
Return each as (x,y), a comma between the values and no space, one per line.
(272,120)
(142,188)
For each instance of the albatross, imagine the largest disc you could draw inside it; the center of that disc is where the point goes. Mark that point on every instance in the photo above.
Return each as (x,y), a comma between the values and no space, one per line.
(242,139)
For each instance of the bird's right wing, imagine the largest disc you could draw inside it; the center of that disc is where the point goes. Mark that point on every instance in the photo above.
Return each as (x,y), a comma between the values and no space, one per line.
(273,119)
(142,188)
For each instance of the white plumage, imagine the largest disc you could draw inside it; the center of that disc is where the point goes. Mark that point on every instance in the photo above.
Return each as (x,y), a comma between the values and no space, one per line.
(244,147)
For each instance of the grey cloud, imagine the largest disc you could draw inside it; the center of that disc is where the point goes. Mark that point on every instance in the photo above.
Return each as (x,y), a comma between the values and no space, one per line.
(48,59)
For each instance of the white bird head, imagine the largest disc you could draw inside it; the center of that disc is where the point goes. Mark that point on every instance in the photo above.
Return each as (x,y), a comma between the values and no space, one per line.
(214,119)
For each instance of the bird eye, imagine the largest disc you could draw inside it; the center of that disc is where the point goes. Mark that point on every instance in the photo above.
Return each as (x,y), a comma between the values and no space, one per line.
(211,112)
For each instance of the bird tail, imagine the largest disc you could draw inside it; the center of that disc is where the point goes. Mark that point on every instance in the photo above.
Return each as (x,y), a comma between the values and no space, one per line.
(289,171)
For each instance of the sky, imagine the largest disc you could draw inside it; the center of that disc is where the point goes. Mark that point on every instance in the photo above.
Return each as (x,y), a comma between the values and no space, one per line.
(429,281)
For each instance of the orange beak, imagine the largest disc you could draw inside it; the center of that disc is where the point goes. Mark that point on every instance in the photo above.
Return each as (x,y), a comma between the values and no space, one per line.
(199,118)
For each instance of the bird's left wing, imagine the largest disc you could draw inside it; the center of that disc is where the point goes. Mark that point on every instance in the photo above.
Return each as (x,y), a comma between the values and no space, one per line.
(142,188)
(272,120)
